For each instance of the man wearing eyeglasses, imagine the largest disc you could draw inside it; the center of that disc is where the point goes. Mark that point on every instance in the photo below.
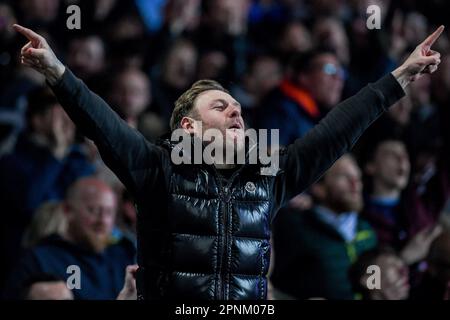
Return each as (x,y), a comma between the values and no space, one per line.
(311,87)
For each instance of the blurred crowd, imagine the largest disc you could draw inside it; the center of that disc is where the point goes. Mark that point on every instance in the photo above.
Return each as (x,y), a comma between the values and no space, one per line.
(288,62)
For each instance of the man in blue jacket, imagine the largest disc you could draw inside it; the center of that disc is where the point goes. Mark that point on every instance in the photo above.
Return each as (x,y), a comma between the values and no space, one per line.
(84,255)
(43,164)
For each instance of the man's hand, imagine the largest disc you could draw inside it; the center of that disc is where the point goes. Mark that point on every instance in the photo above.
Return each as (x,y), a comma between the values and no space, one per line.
(129,291)
(417,248)
(38,55)
(422,60)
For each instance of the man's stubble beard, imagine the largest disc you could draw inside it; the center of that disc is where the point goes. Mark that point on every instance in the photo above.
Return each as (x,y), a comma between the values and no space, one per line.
(340,205)
(96,242)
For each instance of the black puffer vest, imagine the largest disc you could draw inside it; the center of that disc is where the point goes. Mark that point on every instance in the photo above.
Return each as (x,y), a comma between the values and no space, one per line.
(210,238)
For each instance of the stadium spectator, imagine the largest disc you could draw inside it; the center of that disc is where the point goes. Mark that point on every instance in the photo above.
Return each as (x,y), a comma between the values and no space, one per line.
(130,95)
(397,212)
(90,208)
(393,281)
(176,74)
(314,249)
(312,86)
(44,163)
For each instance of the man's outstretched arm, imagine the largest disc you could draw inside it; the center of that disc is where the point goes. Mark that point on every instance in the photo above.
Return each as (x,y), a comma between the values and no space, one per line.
(122,148)
(309,157)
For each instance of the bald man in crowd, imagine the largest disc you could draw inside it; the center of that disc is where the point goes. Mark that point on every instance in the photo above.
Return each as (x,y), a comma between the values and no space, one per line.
(84,255)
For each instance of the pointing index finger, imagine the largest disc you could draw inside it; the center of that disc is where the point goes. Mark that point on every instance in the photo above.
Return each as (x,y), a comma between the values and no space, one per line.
(433,37)
(28,33)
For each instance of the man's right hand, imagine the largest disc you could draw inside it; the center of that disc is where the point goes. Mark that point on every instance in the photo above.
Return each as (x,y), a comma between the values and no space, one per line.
(418,247)
(38,55)
(129,291)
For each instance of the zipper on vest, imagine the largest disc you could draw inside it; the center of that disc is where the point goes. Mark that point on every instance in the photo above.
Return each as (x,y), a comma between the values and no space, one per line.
(225,251)
(226,197)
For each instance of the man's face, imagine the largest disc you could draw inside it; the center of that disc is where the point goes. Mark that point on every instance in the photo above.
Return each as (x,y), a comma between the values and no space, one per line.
(229,15)
(91,217)
(401,111)
(180,66)
(219,110)
(54,121)
(86,56)
(265,75)
(391,166)
(131,93)
(394,277)
(343,186)
(296,38)
(325,80)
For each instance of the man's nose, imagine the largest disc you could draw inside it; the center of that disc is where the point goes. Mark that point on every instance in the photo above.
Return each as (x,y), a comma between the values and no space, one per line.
(235,112)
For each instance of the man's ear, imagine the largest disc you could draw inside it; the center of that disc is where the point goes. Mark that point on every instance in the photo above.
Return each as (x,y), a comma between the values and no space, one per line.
(187,124)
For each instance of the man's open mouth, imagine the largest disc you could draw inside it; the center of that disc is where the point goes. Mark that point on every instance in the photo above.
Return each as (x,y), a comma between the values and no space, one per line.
(236,126)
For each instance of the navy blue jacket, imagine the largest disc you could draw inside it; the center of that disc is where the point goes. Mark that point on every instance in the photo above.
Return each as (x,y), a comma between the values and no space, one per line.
(102,275)
(30,176)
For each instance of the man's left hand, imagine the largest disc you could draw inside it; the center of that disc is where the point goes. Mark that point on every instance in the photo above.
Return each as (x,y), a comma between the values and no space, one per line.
(421,61)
